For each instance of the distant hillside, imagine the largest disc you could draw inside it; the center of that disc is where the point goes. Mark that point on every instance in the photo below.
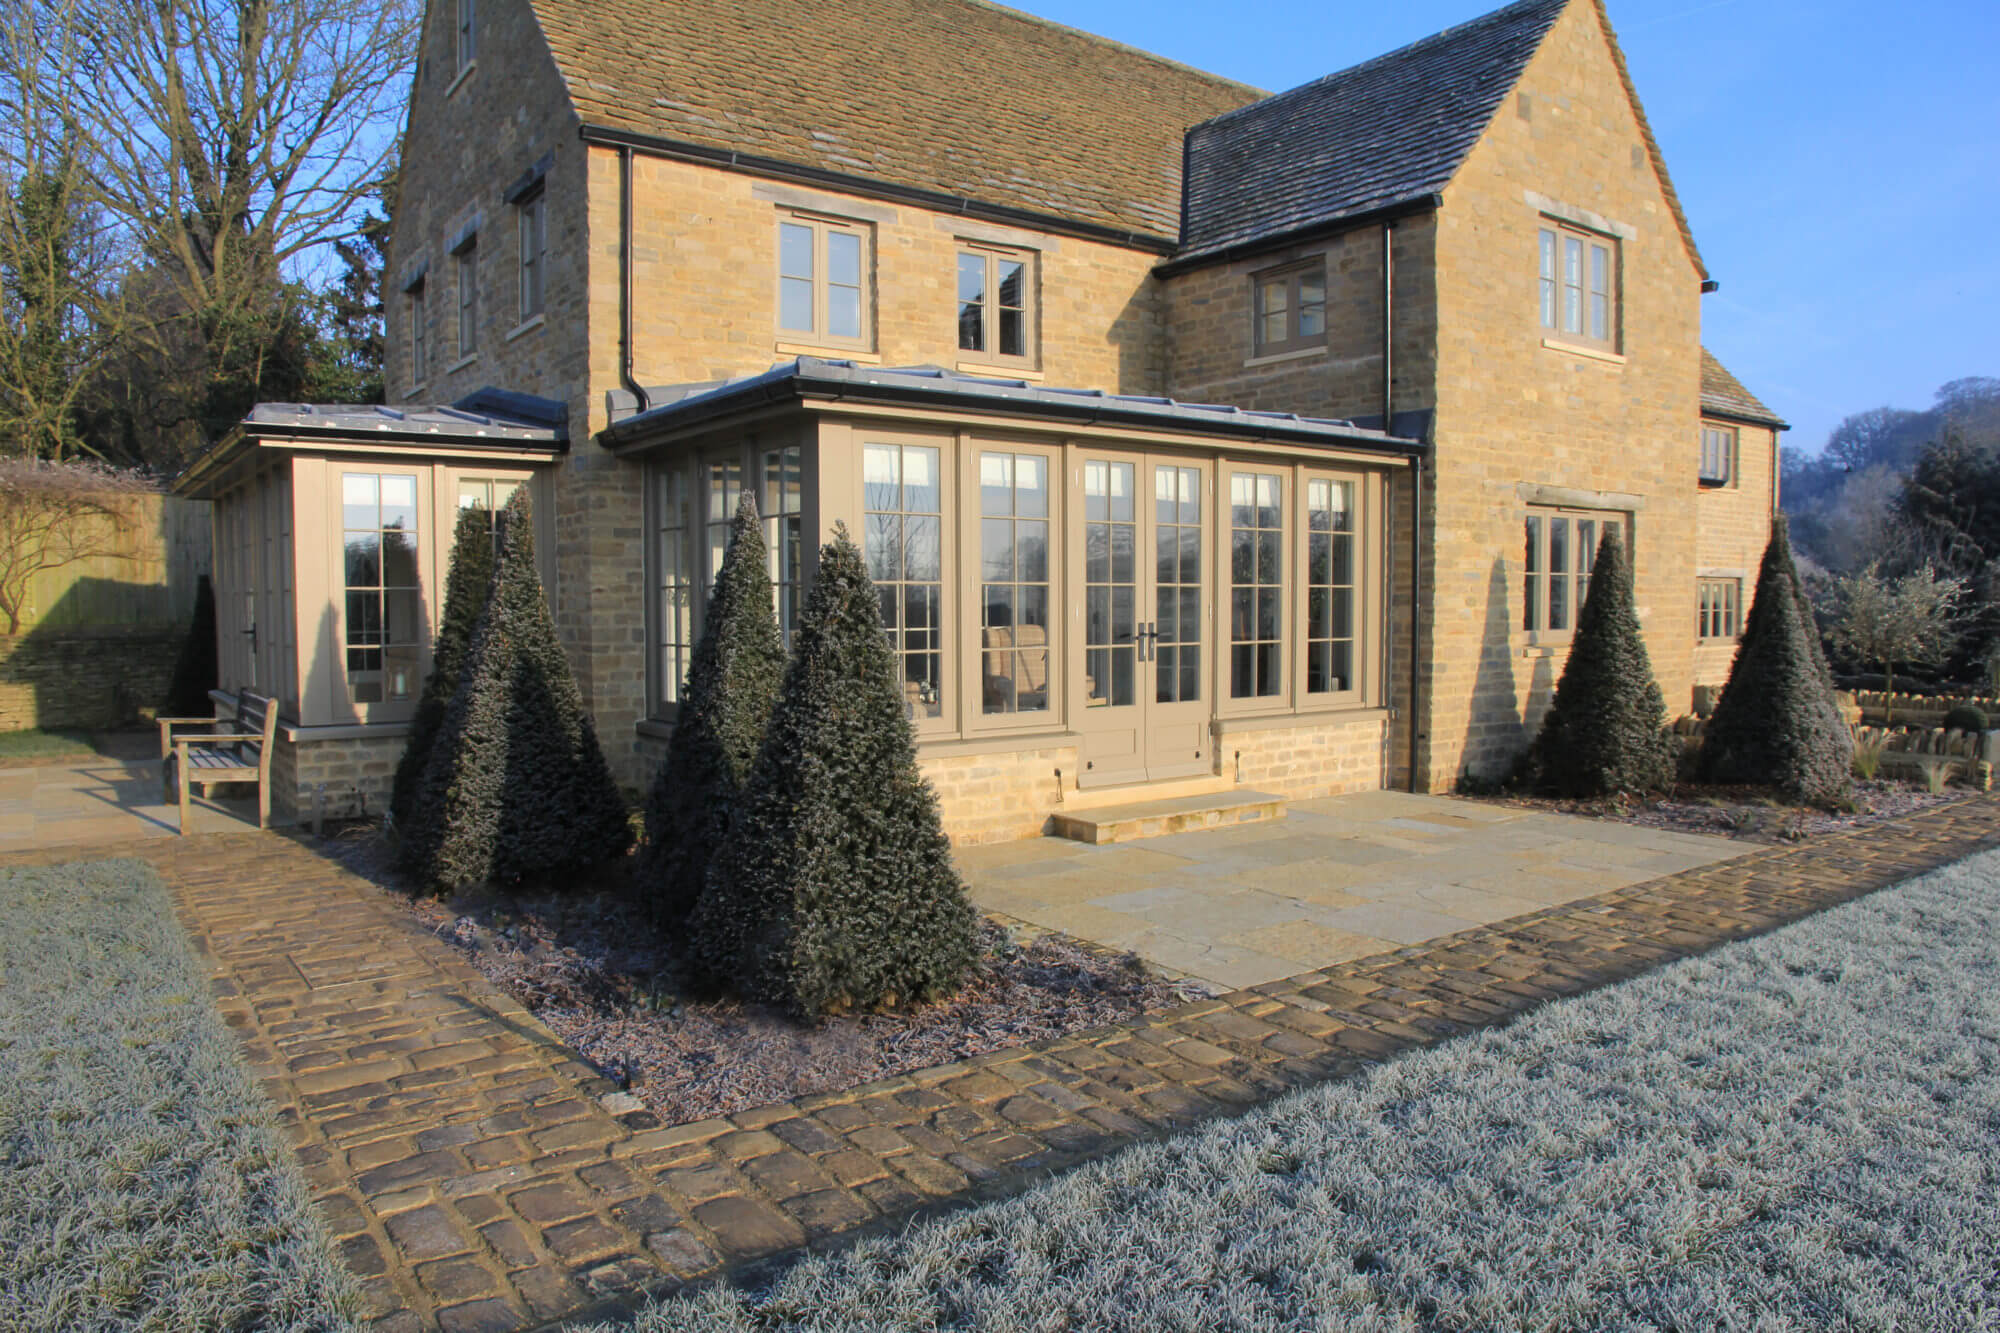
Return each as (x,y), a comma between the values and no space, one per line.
(1840,500)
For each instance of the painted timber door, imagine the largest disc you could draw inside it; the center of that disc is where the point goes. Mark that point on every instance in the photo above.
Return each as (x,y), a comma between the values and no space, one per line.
(1145,612)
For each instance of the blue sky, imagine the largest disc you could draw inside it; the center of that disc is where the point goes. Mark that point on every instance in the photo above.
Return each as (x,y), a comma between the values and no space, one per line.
(1839,160)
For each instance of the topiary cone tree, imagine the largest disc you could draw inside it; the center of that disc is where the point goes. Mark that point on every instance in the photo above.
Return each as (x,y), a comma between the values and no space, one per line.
(1605,732)
(732,683)
(516,785)
(1776,723)
(836,887)
(465,591)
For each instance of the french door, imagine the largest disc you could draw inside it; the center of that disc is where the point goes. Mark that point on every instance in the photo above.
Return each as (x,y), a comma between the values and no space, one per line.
(1144,618)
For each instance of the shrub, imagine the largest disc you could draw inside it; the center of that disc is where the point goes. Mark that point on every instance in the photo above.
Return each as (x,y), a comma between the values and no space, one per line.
(836,887)
(1964,717)
(1777,722)
(196,671)
(465,592)
(1606,732)
(739,663)
(516,785)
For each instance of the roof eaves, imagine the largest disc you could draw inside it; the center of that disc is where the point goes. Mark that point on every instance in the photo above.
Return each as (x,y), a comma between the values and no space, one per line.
(1324,227)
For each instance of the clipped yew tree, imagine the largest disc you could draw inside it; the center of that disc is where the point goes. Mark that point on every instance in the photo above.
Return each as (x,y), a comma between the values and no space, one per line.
(516,786)
(1605,732)
(1777,724)
(732,683)
(465,589)
(835,888)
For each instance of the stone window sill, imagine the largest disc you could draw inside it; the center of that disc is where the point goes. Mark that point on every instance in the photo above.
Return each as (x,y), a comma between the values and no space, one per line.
(854,354)
(1299,354)
(527,326)
(461,363)
(458,81)
(1578,349)
(999,370)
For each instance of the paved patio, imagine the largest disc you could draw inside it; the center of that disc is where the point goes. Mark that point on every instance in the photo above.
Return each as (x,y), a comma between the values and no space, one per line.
(112,797)
(1337,879)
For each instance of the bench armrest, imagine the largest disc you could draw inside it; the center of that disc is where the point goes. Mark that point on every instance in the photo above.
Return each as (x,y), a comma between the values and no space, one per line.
(233,737)
(167,725)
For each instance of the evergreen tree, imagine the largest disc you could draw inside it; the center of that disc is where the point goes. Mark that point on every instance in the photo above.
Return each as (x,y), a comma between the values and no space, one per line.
(516,785)
(1605,731)
(196,670)
(1776,723)
(836,886)
(465,592)
(739,663)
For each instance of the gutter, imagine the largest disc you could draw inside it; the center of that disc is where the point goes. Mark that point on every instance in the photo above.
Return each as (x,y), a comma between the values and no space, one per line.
(771,168)
(1423,203)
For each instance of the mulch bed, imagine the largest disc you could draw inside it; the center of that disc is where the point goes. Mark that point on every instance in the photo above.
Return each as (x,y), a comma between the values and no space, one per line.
(584,964)
(1752,814)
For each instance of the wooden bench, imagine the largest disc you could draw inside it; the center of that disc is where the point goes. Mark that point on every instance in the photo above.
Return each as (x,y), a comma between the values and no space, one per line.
(231,749)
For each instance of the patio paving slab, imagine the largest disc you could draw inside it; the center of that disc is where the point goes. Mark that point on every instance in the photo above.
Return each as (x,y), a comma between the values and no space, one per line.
(477,1173)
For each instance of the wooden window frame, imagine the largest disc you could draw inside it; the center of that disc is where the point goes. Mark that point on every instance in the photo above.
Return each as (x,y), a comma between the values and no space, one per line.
(1536,600)
(466,266)
(1554,237)
(822,227)
(1718,609)
(1721,443)
(429,593)
(991,257)
(951,703)
(420,350)
(972,583)
(1293,340)
(1360,567)
(1284,644)
(532,230)
(465,41)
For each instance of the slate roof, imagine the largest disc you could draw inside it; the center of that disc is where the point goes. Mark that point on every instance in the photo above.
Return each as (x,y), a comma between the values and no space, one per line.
(1723,395)
(486,416)
(1390,132)
(686,404)
(953,96)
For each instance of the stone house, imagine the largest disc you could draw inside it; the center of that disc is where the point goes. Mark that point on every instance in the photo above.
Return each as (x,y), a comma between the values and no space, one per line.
(1198,438)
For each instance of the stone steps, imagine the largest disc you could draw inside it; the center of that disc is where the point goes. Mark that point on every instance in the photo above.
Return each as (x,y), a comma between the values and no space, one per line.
(1180,814)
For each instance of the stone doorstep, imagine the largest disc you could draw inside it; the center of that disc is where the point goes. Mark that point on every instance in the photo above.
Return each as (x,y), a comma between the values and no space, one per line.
(1180,814)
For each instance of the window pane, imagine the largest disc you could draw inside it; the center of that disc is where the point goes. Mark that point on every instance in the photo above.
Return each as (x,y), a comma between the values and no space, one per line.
(399,502)
(996,549)
(1532,618)
(1256,595)
(358,497)
(1013,284)
(843,258)
(364,560)
(1312,304)
(843,312)
(795,305)
(795,251)
(399,560)
(1013,333)
(881,477)
(920,480)
(1031,483)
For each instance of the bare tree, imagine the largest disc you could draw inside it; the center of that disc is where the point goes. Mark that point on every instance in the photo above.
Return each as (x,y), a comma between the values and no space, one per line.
(55,514)
(61,308)
(1912,619)
(234,141)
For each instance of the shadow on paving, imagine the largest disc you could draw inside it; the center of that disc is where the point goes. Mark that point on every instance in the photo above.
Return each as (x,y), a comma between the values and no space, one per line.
(478,1174)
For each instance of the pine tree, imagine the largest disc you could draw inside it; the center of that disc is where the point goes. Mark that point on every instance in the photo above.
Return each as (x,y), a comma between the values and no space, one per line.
(465,590)
(516,785)
(739,664)
(1605,732)
(1776,723)
(196,670)
(836,886)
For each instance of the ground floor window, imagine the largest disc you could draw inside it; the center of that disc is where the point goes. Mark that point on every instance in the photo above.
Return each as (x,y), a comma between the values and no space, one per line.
(1014,582)
(1720,615)
(1560,548)
(379,535)
(903,526)
(1330,566)
(1256,584)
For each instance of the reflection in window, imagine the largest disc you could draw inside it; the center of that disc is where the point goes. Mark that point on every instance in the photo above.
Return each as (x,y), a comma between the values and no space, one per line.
(378,519)
(783,531)
(1256,578)
(722,484)
(1014,582)
(992,303)
(1177,584)
(676,588)
(1110,585)
(820,280)
(1329,586)
(903,510)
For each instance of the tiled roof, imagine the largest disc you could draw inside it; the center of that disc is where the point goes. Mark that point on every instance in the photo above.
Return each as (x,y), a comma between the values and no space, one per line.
(683,404)
(488,415)
(952,96)
(1722,394)
(1390,131)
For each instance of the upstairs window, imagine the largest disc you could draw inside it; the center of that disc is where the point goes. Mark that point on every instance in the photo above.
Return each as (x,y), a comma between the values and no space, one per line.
(466,48)
(420,356)
(995,312)
(1718,456)
(534,215)
(467,263)
(823,281)
(1290,309)
(1579,286)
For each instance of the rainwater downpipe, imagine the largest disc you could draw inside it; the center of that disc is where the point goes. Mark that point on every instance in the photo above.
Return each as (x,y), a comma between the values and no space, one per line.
(641,399)
(1416,487)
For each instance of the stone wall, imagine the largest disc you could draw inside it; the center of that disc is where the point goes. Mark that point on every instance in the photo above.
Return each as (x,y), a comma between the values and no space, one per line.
(1304,759)
(1732,527)
(357,772)
(996,797)
(1521,421)
(84,677)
